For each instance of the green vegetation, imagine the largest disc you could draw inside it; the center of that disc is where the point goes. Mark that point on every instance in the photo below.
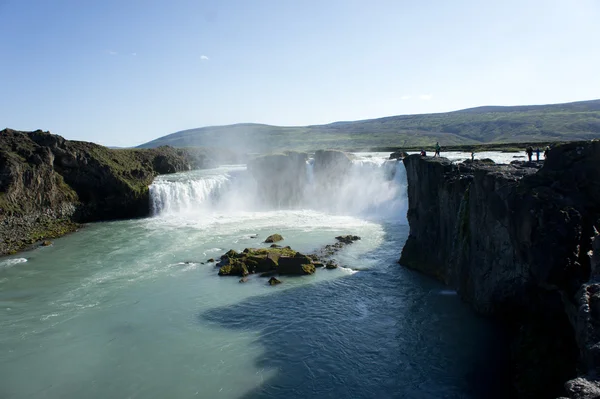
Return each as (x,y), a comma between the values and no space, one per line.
(476,126)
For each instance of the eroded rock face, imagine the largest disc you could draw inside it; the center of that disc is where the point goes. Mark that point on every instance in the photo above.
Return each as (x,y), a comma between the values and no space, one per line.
(514,241)
(48,184)
(331,169)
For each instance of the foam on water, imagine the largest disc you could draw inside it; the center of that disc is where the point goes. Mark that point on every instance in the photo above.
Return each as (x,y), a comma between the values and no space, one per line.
(6,263)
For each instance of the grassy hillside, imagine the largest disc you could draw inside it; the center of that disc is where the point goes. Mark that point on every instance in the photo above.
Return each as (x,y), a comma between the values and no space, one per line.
(536,123)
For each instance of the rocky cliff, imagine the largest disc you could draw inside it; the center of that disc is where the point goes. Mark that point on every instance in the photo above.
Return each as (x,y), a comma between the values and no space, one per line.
(516,243)
(48,185)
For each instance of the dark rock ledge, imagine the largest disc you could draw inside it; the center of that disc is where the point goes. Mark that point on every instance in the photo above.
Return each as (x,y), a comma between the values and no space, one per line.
(518,243)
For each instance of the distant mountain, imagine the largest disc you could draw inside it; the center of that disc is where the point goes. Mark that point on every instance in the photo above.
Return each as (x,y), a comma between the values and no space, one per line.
(488,124)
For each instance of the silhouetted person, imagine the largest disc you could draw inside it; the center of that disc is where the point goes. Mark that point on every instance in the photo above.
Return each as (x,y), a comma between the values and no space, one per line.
(437,149)
(546,151)
(529,152)
(472,156)
(423,153)
(537,154)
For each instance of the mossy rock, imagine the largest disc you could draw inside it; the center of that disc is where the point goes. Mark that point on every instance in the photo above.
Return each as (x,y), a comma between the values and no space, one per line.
(347,239)
(308,268)
(232,253)
(274,238)
(211,260)
(331,265)
(266,261)
(280,251)
(234,268)
(46,243)
(295,265)
(274,281)
(260,263)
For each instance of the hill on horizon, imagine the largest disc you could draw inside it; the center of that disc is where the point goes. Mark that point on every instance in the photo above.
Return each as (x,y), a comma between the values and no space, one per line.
(481,125)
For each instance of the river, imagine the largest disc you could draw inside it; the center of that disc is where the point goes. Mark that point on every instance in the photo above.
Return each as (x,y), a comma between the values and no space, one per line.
(130,309)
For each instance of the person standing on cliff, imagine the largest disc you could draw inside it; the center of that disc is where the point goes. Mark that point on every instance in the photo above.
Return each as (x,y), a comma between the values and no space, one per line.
(529,152)
(546,151)
(537,154)
(437,149)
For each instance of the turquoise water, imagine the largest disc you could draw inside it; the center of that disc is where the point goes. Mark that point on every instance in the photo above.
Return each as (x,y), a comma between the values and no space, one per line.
(127,310)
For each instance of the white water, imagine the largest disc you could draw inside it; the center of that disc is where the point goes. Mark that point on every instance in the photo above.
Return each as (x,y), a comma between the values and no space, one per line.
(375,188)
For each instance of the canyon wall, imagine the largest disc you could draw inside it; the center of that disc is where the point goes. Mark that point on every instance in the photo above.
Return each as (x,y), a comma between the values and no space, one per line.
(516,242)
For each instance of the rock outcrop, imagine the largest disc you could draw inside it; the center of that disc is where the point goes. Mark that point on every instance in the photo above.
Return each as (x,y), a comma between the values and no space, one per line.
(48,185)
(283,261)
(515,242)
(398,155)
(331,168)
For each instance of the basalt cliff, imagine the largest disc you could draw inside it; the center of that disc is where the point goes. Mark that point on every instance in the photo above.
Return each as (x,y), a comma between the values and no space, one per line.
(49,185)
(518,242)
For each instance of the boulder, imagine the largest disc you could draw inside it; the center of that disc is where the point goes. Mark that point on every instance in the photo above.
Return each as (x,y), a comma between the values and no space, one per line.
(232,253)
(274,281)
(46,243)
(234,268)
(260,264)
(211,260)
(348,239)
(296,265)
(274,238)
(331,265)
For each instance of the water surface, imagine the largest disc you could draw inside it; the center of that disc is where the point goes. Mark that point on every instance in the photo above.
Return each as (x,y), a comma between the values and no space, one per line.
(127,309)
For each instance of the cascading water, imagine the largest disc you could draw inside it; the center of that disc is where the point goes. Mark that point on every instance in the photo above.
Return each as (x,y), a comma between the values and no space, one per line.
(373,187)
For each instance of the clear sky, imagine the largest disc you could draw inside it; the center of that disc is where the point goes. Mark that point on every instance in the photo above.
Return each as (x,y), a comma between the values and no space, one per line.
(123,72)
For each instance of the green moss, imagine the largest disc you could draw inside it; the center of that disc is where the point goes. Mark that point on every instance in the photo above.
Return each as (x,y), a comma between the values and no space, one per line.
(308,268)
(8,207)
(234,268)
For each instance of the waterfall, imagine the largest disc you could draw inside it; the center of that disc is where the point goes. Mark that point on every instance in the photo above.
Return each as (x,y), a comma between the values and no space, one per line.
(186,194)
(371,187)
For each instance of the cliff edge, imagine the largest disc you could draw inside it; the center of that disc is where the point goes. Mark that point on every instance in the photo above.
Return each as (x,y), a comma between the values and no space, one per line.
(517,242)
(48,185)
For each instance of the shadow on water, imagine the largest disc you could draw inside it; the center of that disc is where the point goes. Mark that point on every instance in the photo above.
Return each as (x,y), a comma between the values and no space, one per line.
(385,332)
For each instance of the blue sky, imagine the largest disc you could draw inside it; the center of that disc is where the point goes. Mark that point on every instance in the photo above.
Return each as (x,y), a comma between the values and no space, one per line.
(123,72)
